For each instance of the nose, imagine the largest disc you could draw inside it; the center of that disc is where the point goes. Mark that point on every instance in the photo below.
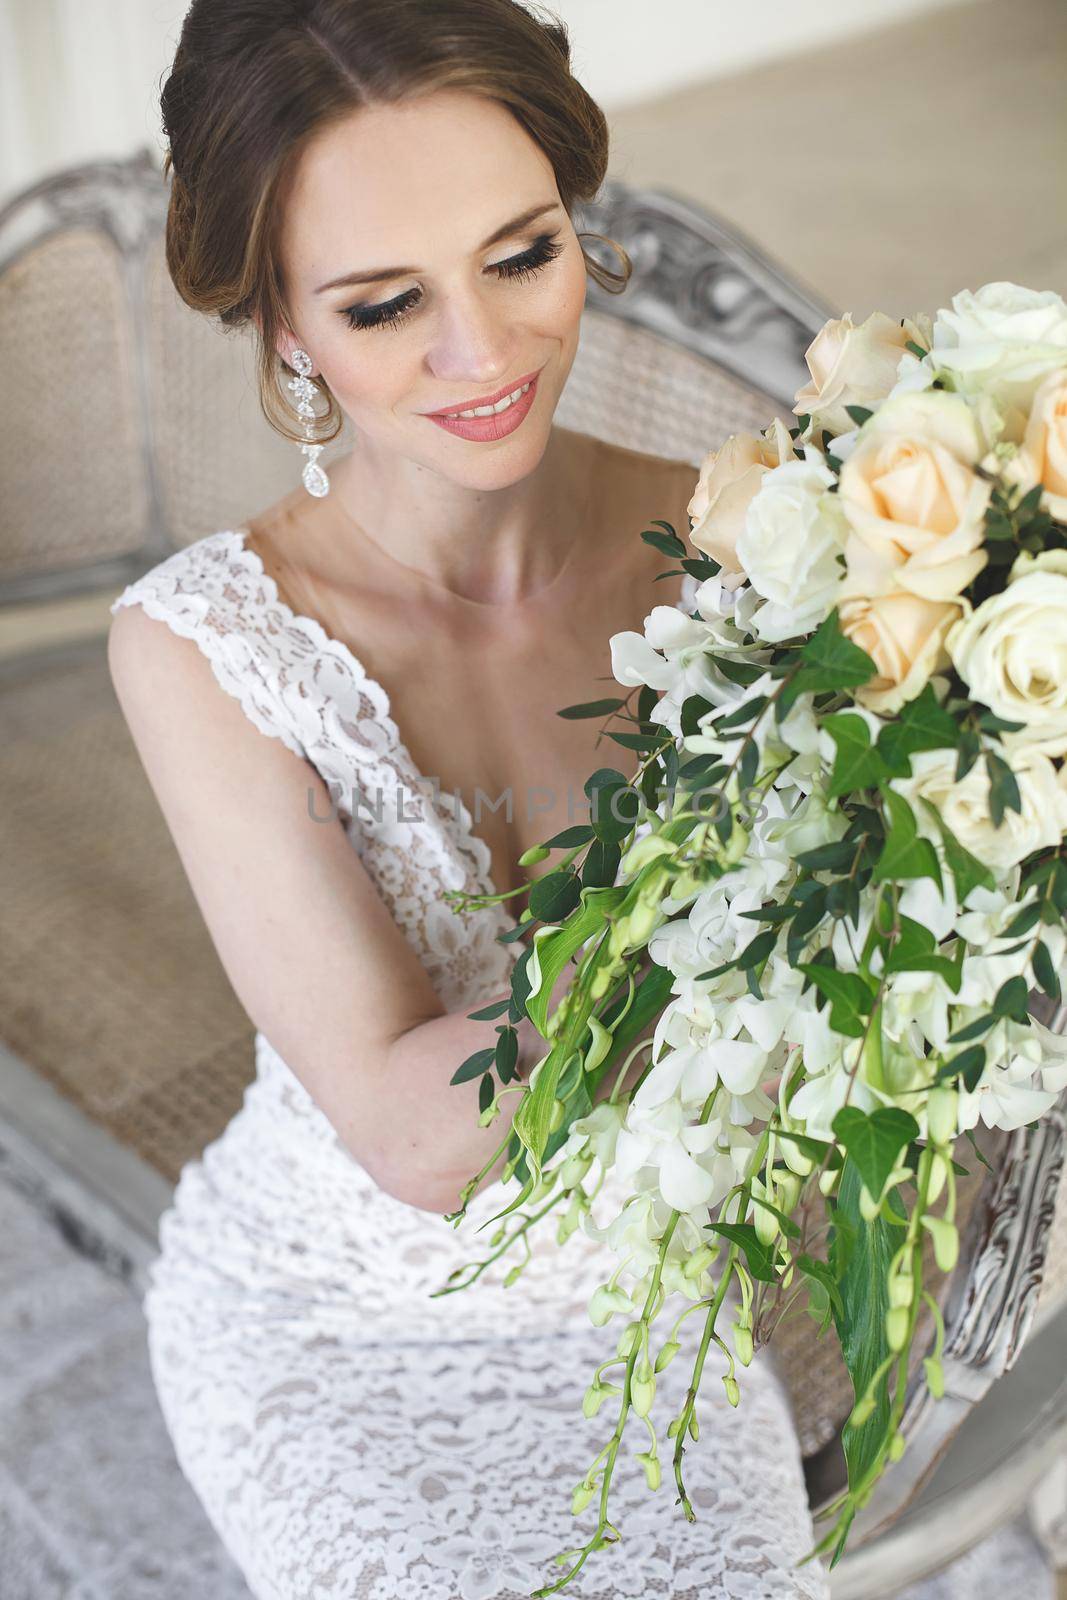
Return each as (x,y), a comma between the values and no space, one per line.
(476,343)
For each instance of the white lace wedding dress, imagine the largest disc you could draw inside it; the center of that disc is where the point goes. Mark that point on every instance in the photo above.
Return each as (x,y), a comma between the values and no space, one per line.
(349,1437)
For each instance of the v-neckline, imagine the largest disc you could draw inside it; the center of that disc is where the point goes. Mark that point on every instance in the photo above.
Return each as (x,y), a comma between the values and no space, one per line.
(328,643)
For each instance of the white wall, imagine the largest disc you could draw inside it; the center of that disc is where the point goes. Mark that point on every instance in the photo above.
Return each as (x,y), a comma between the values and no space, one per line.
(80,79)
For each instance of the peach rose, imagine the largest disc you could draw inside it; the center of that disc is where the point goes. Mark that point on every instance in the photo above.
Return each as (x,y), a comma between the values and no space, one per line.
(1042,455)
(853,366)
(729,479)
(904,636)
(914,503)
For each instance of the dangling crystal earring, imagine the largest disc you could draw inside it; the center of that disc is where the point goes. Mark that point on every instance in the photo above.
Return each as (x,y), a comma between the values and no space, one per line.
(315,480)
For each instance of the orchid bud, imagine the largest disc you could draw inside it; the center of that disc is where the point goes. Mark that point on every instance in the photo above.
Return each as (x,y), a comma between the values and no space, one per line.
(624,1348)
(901,1289)
(828,1180)
(941,1113)
(935,1376)
(667,1354)
(742,1338)
(897,1319)
(938,1177)
(897,1447)
(556,1116)
(650,1462)
(581,1497)
(642,1389)
(733,1394)
(536,853)
(861,1411)
(593,1398)
(605,1302)
(700,1259)
(946,1241)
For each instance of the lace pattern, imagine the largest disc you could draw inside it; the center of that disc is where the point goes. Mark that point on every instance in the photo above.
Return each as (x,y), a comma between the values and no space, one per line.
(350,1437)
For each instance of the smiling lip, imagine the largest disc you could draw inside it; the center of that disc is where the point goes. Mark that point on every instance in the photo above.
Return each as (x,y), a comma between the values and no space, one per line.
(485,399)
(495,426)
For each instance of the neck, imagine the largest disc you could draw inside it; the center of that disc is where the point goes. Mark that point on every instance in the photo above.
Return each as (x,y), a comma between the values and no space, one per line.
(490,547)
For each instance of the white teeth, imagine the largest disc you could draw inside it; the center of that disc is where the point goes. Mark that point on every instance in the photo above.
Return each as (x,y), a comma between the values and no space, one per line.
(490,411)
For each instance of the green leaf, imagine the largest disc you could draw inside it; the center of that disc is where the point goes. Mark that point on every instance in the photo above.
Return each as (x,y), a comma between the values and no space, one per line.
(591,708)
(827,661)
(859,414)
(968,1065)
(1011,1000)
(742,714)
(580,833)
(857,765)
(757,1255)
(667,544)
(920,724)
(874,1140)
(614,804)
(642,742)
(967,871)
(488,1013)
(555,949)
(474,1066)
(507,1054)
(916,349)
(850,995)
(555,895)
(485,1093)
(601,864)
(1045,972)
(904,854)
(1003,788)
(861,1329)
(822,1275)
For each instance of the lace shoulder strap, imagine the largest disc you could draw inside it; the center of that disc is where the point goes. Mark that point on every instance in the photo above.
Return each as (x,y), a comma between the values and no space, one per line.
(205,593)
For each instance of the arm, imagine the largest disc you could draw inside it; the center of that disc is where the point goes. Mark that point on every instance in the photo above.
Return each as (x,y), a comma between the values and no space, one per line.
(311,949)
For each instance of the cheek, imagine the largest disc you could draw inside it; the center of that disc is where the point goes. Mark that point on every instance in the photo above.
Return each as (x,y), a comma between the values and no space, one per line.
(563,297)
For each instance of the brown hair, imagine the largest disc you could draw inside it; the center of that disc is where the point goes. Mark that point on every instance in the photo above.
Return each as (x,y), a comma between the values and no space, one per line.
(253,80)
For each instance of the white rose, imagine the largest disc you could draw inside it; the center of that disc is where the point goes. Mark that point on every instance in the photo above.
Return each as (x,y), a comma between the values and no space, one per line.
(790,548)
(1002,341)
(964,806)
(1012,652)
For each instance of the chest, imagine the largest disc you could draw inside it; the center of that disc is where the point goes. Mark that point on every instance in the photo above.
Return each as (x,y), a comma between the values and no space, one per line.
(476,708)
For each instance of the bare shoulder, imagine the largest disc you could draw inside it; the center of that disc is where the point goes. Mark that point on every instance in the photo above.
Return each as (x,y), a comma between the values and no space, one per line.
(653,486)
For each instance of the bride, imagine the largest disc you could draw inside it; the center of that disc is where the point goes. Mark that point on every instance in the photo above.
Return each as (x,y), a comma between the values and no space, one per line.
(322,698)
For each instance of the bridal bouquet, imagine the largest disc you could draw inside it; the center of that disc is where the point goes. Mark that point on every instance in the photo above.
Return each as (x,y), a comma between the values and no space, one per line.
(840,861)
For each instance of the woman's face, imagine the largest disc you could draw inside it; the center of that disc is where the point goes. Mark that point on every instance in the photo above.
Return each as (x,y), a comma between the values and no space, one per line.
(420,187)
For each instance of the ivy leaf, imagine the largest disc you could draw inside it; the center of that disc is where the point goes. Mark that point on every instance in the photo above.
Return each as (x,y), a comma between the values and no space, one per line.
(874,1140)
(904,854)
(967,871)
(857,765)
(827,661)
(850,996)
(921,724)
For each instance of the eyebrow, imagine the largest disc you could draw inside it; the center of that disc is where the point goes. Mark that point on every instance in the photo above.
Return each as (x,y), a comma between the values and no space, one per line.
(504,232)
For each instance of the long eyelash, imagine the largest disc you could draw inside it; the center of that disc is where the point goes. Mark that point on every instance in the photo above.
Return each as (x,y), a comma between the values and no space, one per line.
(393,312)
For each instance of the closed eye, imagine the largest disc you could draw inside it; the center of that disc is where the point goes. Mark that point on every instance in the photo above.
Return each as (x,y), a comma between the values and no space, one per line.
(544,249)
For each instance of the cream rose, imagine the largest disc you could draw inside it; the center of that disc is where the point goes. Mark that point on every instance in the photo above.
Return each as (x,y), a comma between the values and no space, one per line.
(729,479)
(964,806)
(915,505)
(1042,456)
(904,636)
(1011,652)
(853,366)
(1002,341)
